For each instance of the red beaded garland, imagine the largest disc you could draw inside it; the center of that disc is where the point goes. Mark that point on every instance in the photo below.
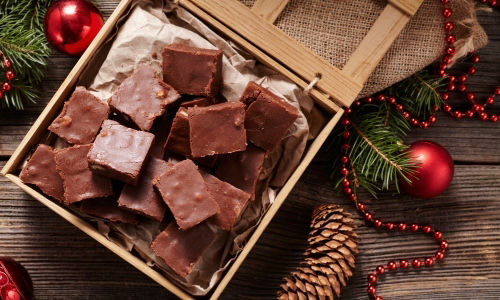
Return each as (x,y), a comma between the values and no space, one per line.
(455,83)
(9,75)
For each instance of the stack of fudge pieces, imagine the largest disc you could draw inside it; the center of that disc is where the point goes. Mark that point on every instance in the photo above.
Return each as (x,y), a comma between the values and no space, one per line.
(114,167)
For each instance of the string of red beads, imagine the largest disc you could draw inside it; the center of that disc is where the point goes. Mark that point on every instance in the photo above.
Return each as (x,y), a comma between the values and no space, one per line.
(455,82)
(9,75)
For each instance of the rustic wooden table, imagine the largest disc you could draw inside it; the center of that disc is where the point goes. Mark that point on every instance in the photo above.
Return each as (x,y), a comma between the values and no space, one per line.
(66,264)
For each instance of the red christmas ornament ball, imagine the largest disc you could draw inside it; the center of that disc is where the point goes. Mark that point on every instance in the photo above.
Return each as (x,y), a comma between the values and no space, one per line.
(71,25)
(434,172)
(15,282)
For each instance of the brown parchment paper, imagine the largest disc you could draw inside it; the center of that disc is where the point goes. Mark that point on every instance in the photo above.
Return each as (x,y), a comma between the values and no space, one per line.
(146,29)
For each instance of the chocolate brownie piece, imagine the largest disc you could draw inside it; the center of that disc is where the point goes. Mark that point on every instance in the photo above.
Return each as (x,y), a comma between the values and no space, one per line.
(41,171)
(143,97)
(80,118)
(178,138)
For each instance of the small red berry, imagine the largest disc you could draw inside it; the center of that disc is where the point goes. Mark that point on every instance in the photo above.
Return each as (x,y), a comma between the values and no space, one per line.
(497,91)
(344,159)
(402,226)
(377,223)
(380,270)
(389,226)
(372,278)
(368,99)
(371,290)
(475,59)
(344,171)
(427,229)
(346,147)
(368,217)
(438,235)
(494,118)
(445,96)
(471,70)
(416,263)
(391,100)
(457,114)
(462,88)
(439,255)
(483,116)
(470,96)
(429,262)
(469,113)
(414,227)
(444,245)
(448,26)
(346,134)
(462,78)
(450,50)
(6,87)
(432,119)
(347,190)
(361,206)
(346,182)
(447,12)
(9,75)
(403,264)
(490,100)
(380,97)
(391,266)
(379,298)
(451,87)
(345,122)
(447,108)
(450,39)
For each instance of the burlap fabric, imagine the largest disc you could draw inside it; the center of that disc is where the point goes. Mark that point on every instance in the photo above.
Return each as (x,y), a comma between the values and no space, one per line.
(334,28)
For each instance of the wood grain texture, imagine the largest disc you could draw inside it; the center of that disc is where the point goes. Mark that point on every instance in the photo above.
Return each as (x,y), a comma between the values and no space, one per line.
(67,264)
(269,10)
(410,7)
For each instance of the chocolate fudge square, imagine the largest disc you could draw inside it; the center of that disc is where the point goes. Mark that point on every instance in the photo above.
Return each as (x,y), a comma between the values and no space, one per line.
(181,250)
(184,191)
(242,169)
(230,199)
(143,199)
(120,152)
(80,118)
(108,209)
(79,182)
(192,71)
(268,117)
(217,129)
(143,97)
(41,171)
(178,138)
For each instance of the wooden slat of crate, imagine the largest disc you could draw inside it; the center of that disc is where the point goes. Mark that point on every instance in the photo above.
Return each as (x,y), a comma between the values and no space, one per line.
(282,48)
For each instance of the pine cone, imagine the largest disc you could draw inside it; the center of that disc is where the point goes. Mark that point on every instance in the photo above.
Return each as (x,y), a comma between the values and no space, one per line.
(329,258)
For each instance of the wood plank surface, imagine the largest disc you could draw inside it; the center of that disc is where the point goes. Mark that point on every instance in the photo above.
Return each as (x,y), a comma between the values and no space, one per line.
(66,264)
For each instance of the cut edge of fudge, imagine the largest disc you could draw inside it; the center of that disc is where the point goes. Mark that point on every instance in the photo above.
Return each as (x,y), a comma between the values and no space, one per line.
(98,156)
(178,138)
(50,182)
(107,208)
(64,125)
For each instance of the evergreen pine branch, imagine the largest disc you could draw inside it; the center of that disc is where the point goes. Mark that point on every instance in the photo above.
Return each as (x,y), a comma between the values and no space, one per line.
(378,155)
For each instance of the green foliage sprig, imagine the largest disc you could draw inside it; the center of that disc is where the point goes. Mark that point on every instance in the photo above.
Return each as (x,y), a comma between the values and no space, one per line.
(378,154)
(22,40)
